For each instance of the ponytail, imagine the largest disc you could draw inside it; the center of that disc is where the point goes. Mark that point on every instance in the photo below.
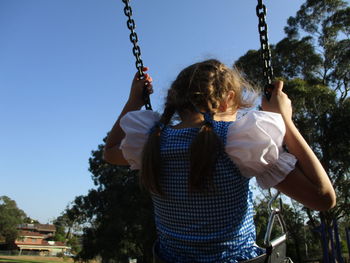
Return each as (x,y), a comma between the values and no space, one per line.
(150,169)
(203,155)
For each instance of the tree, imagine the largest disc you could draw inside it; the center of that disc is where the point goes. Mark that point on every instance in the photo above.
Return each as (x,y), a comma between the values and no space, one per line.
(117,215)
(67,231)
(10,217)
(60,224)
(327,23)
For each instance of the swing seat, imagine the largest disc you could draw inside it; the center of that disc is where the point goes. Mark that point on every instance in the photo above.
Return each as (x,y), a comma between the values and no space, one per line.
(275,249)
(275,253)
(259,259)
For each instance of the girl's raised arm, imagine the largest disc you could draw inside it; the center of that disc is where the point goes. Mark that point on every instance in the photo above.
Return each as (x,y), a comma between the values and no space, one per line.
(112,154)
(308,183)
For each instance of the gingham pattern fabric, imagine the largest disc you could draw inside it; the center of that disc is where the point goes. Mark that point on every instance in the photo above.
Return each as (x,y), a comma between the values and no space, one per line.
(215,226)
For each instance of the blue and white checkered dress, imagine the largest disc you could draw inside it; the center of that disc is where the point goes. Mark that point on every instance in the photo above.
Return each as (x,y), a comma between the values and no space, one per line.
(215,226)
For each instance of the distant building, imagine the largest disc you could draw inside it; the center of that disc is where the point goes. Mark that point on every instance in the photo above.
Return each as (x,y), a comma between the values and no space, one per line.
(34,238)
(45,229)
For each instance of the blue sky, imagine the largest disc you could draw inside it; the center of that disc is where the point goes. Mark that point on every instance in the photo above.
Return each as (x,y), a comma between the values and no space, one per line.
(65,72)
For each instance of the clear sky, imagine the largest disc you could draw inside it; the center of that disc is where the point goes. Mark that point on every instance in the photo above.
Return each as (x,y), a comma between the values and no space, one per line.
(65,72)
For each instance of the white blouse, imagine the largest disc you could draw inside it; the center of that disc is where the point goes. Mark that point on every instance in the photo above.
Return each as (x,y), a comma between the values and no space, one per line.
(254,144)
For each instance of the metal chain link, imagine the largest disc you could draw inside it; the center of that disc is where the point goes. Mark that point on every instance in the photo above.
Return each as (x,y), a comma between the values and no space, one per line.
(265,49)
(136,50)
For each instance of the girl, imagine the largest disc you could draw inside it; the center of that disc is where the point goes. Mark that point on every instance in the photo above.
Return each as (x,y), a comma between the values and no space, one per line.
(198,170)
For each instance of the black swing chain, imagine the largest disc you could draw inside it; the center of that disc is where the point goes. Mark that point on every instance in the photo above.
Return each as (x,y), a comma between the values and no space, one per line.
(267,71)
(136,50)
(265,49)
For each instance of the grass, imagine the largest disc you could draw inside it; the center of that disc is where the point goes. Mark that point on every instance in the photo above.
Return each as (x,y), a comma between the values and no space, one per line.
(29,259)
(8,260)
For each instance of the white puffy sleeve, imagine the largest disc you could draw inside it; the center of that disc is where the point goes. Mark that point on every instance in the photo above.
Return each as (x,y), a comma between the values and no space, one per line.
(254,143)
(136,126)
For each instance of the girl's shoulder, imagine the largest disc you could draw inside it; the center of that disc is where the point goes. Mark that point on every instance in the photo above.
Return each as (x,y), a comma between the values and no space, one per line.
(140,120)
(259,115)
(258,121)
(142,115)
(255,144)
(136,126)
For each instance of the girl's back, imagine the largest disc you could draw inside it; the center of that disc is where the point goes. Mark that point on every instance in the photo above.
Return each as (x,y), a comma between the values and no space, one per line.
(214,225)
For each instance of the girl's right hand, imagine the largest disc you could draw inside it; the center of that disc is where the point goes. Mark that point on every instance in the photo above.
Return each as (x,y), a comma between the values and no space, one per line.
(279,102)
(137,87)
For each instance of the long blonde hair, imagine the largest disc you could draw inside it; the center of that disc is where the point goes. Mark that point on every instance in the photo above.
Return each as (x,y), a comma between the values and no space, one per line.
(200,86)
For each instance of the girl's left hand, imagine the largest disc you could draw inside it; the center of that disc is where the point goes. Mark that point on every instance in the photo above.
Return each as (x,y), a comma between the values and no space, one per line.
(137,87)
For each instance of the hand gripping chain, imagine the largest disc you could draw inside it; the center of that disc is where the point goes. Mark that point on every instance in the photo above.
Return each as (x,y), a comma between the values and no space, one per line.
(136,50)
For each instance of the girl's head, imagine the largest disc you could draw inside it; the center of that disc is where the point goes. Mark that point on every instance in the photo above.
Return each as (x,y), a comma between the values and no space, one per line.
(205,85)
(201,87)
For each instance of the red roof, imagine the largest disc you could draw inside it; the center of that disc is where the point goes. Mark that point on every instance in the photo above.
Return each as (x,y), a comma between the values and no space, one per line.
(30,234)
(45,227)
(38,227)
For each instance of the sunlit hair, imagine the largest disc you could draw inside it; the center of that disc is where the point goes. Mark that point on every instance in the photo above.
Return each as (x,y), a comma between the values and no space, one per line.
(201,86)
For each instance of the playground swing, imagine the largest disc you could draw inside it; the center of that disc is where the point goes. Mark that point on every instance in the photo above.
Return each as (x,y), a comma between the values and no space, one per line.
(276,248)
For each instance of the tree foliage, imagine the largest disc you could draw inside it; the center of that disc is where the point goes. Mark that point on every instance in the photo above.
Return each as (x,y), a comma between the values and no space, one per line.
(117,215)
(10,217)
(67,230)
(327,24)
